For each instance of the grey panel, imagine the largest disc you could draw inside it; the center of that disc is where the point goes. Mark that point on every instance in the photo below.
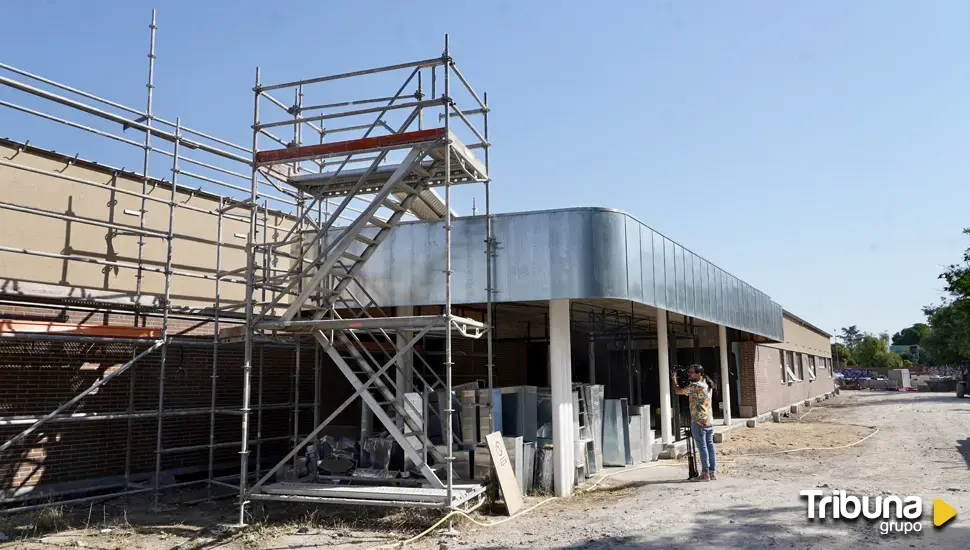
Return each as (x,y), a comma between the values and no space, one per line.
(614,451)
(609,255)
(647,274)
(718,294)
(680,284)
(659,270)
(581,253)
(690,283)
(705,272)
(634,278)
(671,274)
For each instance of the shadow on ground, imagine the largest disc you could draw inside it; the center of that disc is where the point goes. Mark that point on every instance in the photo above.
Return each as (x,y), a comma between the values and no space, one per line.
(755,527)
(963,447)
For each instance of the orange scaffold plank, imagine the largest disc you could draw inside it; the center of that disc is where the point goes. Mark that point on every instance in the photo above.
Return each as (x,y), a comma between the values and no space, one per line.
(349,146)
(12,326)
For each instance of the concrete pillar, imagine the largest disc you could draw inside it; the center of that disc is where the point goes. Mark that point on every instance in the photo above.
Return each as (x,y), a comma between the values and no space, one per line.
(663,352)
(725,380)
(561,382)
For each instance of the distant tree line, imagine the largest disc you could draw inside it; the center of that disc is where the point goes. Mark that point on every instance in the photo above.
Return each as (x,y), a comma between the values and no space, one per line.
(943,340)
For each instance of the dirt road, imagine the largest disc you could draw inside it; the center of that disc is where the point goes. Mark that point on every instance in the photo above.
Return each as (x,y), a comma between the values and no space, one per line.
(922,448)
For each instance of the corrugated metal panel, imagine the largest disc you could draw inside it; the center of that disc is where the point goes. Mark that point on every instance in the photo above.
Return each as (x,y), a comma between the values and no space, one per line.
(659,271)
(646,265)
(582,253)
(633,264)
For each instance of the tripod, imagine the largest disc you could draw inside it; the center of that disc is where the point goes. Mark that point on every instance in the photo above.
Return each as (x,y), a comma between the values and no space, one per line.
(691,455)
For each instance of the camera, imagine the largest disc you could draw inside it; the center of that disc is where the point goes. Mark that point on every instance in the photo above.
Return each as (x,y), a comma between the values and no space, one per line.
(681,372)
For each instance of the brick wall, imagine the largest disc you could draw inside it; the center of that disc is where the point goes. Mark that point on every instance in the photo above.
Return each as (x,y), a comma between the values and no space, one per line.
(762,387)
(38,376)
(746,367)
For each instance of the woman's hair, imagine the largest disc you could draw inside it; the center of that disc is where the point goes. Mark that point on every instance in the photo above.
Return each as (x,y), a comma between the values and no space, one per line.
(699,369)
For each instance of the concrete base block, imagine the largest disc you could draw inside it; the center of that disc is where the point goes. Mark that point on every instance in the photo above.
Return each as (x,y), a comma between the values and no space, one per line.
(720,437)
(828,396)
(672,452)
(751,423)
(795,408)
(776,416)
(818,399)
(808,402)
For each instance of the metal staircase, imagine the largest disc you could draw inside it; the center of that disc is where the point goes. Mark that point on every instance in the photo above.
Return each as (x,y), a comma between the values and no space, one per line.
(315,290)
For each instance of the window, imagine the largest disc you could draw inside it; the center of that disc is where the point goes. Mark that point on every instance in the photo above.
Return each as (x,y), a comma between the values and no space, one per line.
(790,366)
(812,367)
(831,367)
(784,371)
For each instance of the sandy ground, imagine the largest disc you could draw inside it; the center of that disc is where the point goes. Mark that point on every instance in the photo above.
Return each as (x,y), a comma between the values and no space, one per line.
(922,448)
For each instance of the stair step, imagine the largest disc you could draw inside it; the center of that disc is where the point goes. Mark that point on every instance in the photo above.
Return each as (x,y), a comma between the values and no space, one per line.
(393,205)
(352,257)
(379,223)
(366,240)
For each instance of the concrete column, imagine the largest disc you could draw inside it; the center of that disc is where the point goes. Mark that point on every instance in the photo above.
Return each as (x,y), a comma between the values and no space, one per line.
(725,380)
(561,382)
(663,352)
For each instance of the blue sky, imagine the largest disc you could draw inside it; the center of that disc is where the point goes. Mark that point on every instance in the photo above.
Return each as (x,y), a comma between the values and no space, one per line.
(817,150)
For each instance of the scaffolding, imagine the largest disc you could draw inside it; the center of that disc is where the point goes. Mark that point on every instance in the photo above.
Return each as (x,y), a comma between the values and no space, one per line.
(391,162)
(298,288)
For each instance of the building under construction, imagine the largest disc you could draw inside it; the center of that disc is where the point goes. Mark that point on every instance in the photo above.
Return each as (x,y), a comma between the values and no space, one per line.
(306,318)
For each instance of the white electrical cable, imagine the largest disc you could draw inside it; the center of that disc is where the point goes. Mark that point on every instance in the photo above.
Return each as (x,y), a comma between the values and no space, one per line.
(588,488)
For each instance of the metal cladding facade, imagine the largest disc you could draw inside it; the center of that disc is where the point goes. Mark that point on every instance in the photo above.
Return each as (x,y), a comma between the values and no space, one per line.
(578,253)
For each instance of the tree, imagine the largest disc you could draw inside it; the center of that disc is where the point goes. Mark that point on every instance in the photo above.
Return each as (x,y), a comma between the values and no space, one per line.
(887,360)
(948,340)
(911,336)
(868,349)
(841,355)
(957,276)
(873,352)
(851,336)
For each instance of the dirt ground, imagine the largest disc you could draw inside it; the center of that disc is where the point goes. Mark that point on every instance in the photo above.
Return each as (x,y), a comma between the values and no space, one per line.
(922,448)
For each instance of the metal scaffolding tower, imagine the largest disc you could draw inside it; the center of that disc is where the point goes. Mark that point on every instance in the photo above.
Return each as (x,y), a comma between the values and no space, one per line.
(391,164)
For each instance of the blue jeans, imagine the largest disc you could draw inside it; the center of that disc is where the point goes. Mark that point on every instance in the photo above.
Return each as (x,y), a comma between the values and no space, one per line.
(704,438)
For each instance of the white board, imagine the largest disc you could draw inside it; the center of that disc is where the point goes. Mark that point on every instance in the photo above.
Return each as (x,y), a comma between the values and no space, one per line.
(505,472)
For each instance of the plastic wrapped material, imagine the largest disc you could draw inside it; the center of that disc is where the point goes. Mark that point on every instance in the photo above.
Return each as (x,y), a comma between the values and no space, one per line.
(528,465)
(543,471)
(489,412)
(515,449)
(594,401)
(377,453)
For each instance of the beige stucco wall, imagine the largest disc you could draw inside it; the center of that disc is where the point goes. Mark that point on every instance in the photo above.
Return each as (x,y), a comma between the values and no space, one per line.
(801,339)
(194,245)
